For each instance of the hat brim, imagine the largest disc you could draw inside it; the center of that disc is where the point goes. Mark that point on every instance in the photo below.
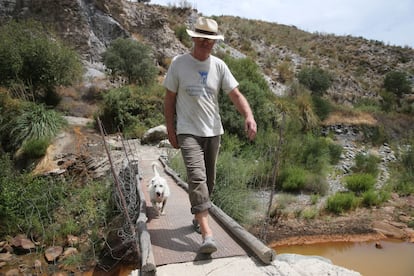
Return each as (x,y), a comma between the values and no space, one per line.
(196,34)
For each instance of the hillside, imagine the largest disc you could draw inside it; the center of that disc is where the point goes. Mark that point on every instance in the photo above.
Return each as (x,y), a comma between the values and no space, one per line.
(358,65)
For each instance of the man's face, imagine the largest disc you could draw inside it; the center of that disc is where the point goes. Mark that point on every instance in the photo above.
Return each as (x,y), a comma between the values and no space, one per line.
(204,44)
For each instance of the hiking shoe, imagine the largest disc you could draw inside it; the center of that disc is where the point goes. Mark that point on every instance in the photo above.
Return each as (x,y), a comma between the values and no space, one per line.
(196,226)
(208,246)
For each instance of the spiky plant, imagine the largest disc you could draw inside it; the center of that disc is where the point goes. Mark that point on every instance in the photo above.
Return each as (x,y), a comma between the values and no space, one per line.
(35,122)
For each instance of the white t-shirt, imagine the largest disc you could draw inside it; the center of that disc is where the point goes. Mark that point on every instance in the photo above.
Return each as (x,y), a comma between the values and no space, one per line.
(197,84)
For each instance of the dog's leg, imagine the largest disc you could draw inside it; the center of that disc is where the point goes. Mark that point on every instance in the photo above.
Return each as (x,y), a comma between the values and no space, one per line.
(156,208)
(163,206)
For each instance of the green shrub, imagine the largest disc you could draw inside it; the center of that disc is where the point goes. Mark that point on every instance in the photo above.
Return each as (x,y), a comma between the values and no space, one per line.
(315,79)
(341,202)
(254,87)
(335,151)
(374,198)
(35,61)
(132,108)
(360,182)
(293,179)
(181,34)
(316,184)
(321,107)
(50,208)
(309,213)
(33,122)
(231,191)
(35,148)
(130,59)
(370,198)
(366,163)
(314,153)
(405,184)
(397,83)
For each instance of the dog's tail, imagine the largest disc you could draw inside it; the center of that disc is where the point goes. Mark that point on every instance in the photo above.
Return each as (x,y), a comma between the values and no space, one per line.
(154,168)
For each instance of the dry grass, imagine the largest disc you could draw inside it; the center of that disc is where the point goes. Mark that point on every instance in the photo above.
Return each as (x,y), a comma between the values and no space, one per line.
(350,118)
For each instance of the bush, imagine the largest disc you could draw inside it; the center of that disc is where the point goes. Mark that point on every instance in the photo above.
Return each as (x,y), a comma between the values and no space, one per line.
(374,198)
(315,79)
(231,192)
(321,107)
(181,34)
(335,151)
(130,59)
(316,184)
(341,202)
(132,109)
(47,208)
(254,87)
(34,122)
(293,179)
(31,59)
(366,163)
(397,83)
(35,148)
(360,182)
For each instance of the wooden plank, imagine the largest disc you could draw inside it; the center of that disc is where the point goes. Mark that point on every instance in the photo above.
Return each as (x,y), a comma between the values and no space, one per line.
(147,257)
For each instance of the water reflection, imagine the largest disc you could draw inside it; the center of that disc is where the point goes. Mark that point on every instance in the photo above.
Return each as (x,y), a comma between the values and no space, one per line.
(395,258)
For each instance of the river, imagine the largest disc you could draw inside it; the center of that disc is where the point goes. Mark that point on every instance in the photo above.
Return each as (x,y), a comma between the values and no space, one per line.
(395,258)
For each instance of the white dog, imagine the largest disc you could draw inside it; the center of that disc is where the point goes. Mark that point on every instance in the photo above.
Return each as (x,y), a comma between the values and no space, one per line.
(159,191)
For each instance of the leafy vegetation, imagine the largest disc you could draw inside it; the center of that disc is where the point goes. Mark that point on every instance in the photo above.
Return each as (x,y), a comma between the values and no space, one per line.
(30,122)
(397,83)
(130,59)
(48,208)
(132,109)
(315,79)
(341,202)
(32,63)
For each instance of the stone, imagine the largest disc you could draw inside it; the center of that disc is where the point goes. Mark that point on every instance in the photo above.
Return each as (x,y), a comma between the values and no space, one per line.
(52,253)
(155,135)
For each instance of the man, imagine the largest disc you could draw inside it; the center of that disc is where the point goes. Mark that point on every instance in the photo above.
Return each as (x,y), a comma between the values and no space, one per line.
(193,82)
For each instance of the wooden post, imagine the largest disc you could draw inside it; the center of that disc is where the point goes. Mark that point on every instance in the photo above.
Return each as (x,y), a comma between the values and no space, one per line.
(147,257)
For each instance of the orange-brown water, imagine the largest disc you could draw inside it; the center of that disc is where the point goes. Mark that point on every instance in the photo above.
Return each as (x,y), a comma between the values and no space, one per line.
(396,258)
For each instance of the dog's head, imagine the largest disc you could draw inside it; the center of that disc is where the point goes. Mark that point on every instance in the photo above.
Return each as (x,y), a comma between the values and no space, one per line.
(158,187)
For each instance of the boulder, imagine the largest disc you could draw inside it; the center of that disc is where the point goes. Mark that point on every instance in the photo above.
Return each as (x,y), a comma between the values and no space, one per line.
(155,135)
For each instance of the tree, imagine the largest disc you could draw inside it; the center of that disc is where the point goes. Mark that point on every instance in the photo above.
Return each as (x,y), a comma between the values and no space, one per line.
(315,79)
(131,59)
(397,83)
(36,62)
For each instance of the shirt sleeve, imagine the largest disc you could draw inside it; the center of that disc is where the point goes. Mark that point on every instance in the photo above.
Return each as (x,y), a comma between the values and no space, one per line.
(229,82)
(171,79)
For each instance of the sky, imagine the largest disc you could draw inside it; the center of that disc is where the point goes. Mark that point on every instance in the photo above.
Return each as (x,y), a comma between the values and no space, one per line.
(391,22)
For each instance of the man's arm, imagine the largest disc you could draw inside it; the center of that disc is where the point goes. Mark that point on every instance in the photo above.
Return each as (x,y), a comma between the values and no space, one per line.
(244,109)
(169,114)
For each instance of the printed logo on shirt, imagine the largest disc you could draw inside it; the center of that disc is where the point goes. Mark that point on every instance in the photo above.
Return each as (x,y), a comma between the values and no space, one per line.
(203,77)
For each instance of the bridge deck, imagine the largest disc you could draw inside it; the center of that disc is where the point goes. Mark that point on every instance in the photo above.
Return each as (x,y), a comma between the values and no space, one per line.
(172,236)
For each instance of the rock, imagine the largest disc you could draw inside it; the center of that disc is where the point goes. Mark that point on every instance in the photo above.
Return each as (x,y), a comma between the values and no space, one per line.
(13,272)
(52,253)
(293,264)
(69,252)
(37,265)
(155,135)
(388,230)
(22,242)
(6,257)
(72,240)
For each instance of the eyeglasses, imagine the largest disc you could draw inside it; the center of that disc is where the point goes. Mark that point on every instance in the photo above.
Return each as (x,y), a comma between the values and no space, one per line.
(205,39)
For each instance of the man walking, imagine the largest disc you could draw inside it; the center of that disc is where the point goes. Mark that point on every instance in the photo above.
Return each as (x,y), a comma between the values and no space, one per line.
(193,120)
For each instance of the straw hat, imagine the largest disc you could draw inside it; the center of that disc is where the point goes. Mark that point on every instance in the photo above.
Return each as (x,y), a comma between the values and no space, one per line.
(206,28)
